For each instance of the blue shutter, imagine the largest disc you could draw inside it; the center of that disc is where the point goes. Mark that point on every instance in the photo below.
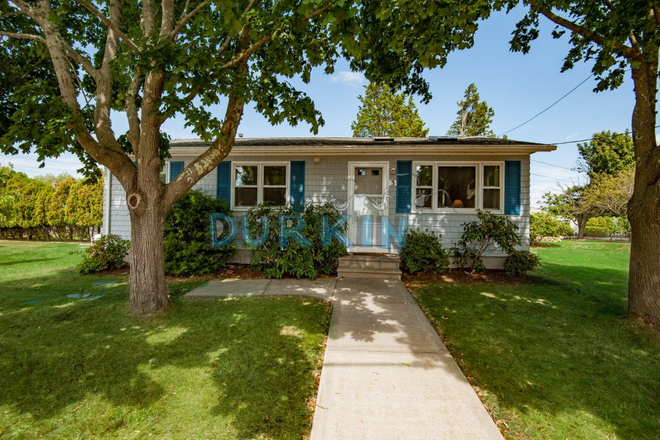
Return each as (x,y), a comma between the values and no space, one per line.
(175,169)
(403,186)
(512,187)
(297,180)
(223,190)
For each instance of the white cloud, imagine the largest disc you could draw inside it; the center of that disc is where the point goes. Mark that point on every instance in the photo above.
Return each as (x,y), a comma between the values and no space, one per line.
(572,136)
(348,78)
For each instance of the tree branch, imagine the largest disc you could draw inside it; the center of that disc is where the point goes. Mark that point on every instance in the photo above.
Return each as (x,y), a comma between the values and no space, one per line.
(132,111)
(108,24)
(114,158)
(655,11)
(102,123)
(622,49)
(187,18)
(11,14)
(225,45)
(211,158)
(148,17)
(167,18)
(243,55)
(36,38)
(610,5)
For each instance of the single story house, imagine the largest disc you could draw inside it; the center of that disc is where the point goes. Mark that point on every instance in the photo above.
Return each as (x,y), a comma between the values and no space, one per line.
(381,184)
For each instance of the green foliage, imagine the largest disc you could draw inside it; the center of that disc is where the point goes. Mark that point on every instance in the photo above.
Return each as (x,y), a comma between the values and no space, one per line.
(622,225)
(286,40)
(520,262)
(603,33)
(610,193)
(606,226)
(107,253)
(31,206)
(423,253)
(596,231)
(481,236)
(607,153)
(544,224)
(383,113)
(188,249)
(295,259)
(473,116)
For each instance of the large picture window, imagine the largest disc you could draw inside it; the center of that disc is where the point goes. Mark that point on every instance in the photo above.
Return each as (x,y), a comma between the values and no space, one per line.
(256,183)
(461,187)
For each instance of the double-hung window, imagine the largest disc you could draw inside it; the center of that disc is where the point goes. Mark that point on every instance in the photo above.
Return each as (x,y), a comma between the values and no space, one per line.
(424,186)
(255,183)
(458,187)
(492,187)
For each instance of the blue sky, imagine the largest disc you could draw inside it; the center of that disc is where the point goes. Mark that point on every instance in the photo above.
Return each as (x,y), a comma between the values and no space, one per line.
(517,86)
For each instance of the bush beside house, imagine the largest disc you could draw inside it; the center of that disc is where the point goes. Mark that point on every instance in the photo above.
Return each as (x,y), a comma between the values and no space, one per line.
(188,249)
(291,258)
(423,253)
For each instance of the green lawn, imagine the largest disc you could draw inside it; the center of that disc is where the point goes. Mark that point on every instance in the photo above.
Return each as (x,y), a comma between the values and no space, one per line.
(555,357)
(73,368)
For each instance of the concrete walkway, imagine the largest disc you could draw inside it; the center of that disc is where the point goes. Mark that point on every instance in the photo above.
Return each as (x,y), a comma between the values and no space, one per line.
(386,373)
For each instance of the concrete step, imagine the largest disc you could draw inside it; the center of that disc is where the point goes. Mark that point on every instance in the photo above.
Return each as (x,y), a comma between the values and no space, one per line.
(369,266)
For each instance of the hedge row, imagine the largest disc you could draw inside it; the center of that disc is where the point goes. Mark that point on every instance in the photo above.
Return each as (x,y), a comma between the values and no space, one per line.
(64,209)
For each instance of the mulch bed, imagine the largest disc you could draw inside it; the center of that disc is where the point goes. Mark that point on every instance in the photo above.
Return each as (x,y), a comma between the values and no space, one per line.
(461,276)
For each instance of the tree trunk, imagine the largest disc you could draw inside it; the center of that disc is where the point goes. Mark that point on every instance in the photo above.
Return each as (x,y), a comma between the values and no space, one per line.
(148,287)
(644,206)
(581,224)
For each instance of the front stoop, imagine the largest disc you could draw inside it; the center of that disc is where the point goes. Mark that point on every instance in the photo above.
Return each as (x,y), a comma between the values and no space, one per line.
(385,266)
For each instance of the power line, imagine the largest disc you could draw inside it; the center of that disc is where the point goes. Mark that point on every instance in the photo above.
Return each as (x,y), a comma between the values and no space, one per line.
(549,107)
(550,177)
(552,165)
(572,142)
(580,140)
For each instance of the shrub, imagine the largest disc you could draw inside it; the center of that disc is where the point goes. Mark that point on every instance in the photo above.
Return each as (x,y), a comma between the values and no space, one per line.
(606,225)
(295,259)
(520,262)
(107,253)
(188,249)
(423,253)
(622,225)
(596,231)
(479,237)
(543,224)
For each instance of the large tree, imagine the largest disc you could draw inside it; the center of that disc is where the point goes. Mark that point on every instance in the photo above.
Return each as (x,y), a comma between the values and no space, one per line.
(571,203)
(607,153)
(155,60)
(619,35)
(384,113)
(610,193)
(473,117)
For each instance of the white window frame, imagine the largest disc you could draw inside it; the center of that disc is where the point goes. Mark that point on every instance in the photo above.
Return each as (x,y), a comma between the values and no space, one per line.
(483,166)
(479,188)
(260,182)
(434,186)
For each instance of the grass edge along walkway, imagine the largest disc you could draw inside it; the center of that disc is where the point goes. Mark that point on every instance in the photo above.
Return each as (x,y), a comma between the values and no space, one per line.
(555,357)
(74,368)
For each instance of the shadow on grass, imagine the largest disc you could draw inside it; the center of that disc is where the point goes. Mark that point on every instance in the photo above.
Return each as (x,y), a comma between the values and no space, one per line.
(34,260)
(251,357)
(560,354)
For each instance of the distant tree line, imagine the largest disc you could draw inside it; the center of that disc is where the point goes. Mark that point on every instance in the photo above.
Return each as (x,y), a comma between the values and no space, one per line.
(49,207)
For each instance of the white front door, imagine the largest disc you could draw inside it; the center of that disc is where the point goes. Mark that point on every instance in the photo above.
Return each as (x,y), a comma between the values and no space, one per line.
(368,189)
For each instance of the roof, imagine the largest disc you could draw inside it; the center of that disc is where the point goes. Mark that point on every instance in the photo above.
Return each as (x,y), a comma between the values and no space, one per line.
(326,146)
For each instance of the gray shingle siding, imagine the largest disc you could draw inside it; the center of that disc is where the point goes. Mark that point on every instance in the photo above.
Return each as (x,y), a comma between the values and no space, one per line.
(329,179)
